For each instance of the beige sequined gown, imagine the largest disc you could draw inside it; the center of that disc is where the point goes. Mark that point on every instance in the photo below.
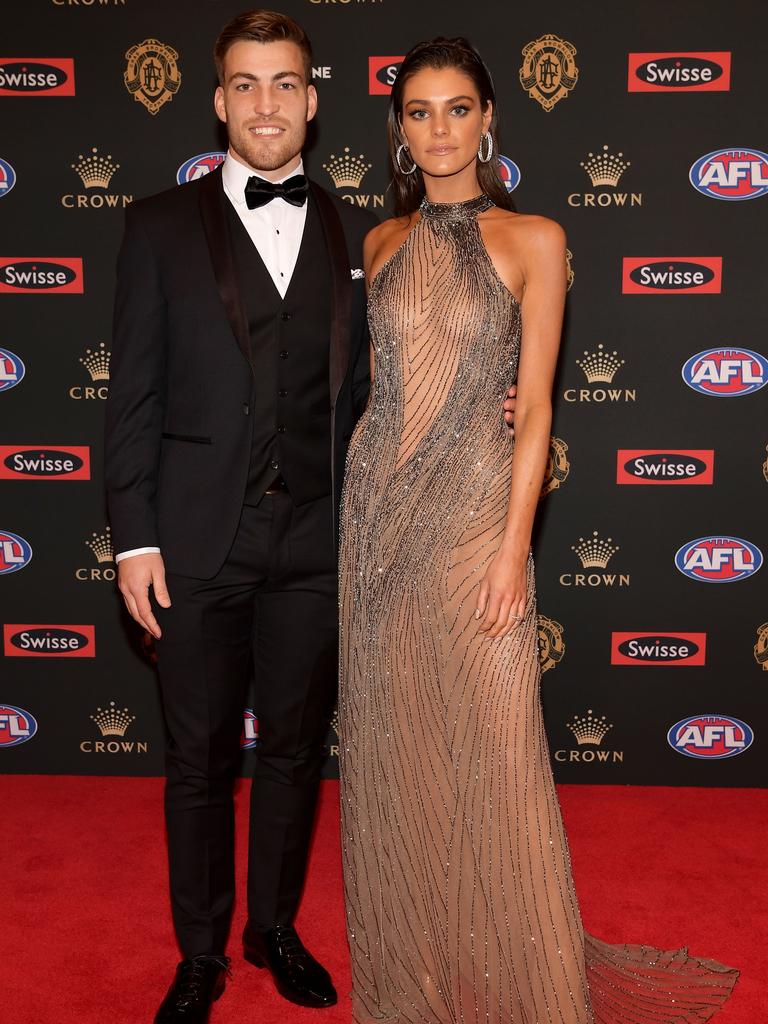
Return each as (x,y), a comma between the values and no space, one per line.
(460,903)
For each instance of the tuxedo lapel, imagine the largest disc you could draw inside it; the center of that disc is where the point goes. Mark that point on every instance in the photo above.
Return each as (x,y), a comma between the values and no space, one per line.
(341,289)
(213,214)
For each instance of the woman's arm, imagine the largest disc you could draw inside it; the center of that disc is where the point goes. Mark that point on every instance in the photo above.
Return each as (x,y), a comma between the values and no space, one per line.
(541,248)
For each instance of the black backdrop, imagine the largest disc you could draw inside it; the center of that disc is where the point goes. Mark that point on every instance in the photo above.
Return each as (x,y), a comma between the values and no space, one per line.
(77,146)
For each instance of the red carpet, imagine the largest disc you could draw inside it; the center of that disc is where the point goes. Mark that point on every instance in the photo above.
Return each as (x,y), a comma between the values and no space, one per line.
(86,934)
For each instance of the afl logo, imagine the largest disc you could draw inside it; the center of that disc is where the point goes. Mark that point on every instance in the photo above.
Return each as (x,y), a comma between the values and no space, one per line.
(16,726)
(11,370)
(710,736)
(510,173)
(718,559)
(198,166)
(15,553)
(726,372)
(7,178)
(250,736)
(733,174)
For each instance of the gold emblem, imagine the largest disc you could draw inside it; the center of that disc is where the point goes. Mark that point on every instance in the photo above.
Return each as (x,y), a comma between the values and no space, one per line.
(558,466)
(101,546)
(594,552)
(152,75)
(765,466)
(589,728)
(549,70)
(761,647)
(95,171)
(347,171)
(113,721)
(551,646)
(569,269)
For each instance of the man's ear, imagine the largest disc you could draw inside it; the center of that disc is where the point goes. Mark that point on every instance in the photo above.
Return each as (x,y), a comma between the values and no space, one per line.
(219,105)
(311,102)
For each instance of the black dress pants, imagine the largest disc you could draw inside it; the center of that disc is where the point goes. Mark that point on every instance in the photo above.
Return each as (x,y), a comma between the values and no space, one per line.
(272,609)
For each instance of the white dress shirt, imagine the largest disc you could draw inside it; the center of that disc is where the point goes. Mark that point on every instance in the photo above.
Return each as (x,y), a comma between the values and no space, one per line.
(276,229)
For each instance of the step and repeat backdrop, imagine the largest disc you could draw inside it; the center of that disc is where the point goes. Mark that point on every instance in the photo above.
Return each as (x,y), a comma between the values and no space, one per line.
(642,132)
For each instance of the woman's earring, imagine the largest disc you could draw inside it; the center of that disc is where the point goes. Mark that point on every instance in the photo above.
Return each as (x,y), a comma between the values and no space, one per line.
(400,167)
(486,138)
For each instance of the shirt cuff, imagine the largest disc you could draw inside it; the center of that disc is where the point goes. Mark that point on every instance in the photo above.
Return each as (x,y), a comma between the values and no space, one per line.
(136,551)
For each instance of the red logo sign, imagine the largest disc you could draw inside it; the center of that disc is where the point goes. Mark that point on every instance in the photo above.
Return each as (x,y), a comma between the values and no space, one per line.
(35,641)
(672,275)
(684,71)
(37,76)
(30,275)
(665,465)
(382,72)
(48,462)
(658,648)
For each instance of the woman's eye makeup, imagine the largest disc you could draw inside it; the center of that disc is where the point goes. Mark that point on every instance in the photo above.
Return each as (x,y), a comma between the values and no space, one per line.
(420,113)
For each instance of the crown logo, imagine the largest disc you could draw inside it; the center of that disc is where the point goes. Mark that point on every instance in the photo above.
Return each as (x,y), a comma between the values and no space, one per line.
(101,546)
(594,552)
(589,729)
(347,171)
(335,722)
(604,168)
(600,366)
(113,721)
(97,363)
(95,171)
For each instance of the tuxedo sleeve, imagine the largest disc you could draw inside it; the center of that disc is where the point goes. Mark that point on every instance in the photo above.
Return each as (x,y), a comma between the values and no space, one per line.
(134,414)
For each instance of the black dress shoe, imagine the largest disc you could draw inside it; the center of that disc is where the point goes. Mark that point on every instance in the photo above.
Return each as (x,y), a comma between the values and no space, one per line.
(297,975)
(198,983)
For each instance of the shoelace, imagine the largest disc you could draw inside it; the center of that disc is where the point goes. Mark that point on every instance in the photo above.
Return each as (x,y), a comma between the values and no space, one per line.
(192,975)
(289,944)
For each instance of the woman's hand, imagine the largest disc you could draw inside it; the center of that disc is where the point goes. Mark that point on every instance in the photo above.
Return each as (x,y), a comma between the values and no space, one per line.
(503,596)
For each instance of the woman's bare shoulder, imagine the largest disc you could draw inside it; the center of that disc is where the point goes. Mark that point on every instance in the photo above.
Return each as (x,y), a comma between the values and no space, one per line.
(384,240)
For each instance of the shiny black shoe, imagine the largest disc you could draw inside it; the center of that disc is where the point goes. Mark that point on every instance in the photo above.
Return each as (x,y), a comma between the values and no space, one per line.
(298,977)
(198,983)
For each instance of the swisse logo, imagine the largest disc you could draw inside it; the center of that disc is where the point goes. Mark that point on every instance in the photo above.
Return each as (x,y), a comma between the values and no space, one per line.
(198,166)
(53,463)
(731,174)
(672,275)
(658,648)
(726,372)
(15,553)
(683,71)
(718,559)
(382,72)
(710,737)
(37,76)
(22,641)
(22,275)
(11,370)
(664,466)
(16,726)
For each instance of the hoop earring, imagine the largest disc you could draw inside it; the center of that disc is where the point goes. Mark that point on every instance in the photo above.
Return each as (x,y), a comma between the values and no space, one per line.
(398,154)
(488,139)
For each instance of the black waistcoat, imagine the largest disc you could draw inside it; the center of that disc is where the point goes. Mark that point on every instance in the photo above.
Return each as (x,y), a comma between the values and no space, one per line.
(290,341)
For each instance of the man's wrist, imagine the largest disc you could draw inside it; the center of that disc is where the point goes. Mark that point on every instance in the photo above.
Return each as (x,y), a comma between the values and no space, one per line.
(136,551)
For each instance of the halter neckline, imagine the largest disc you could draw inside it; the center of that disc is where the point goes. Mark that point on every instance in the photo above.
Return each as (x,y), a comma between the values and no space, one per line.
(467,210)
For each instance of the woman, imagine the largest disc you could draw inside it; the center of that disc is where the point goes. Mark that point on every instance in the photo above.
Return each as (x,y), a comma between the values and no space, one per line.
(459,896)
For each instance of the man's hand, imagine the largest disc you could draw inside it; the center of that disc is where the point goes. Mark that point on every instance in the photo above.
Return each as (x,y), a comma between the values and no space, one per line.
(509,409)
(135,575)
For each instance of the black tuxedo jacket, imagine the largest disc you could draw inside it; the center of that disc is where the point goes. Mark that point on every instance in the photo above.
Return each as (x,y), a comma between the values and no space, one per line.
(178,432)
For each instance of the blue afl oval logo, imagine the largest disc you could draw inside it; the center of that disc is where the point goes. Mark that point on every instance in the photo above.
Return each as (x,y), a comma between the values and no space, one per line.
(198,166)
(726,372)
(710,737)
(15,553)
(16,726)
(7,178)
(718,559)
(732,174)
(12,370)
(250,736)
(510,173)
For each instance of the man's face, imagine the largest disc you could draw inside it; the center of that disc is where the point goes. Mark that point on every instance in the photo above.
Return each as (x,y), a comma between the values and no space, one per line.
(266,103)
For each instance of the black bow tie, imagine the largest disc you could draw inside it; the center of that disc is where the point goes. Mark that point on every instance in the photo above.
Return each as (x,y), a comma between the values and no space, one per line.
(259,192)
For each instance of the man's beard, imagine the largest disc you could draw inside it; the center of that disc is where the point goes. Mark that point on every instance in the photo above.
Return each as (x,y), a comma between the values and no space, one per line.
(271,154)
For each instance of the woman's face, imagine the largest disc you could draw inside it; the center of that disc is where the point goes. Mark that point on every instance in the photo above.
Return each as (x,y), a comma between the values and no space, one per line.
(442,120)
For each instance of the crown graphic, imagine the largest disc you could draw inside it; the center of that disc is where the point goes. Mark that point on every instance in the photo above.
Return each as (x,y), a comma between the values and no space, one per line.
(113,721)
(604,168)
(594,552)
(95,171)
(347,171)
(101,546)
(589,729)
(335,722)
(600,365)
(97,363)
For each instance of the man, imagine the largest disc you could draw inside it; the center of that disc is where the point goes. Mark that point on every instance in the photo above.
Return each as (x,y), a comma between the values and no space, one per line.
(239,367)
